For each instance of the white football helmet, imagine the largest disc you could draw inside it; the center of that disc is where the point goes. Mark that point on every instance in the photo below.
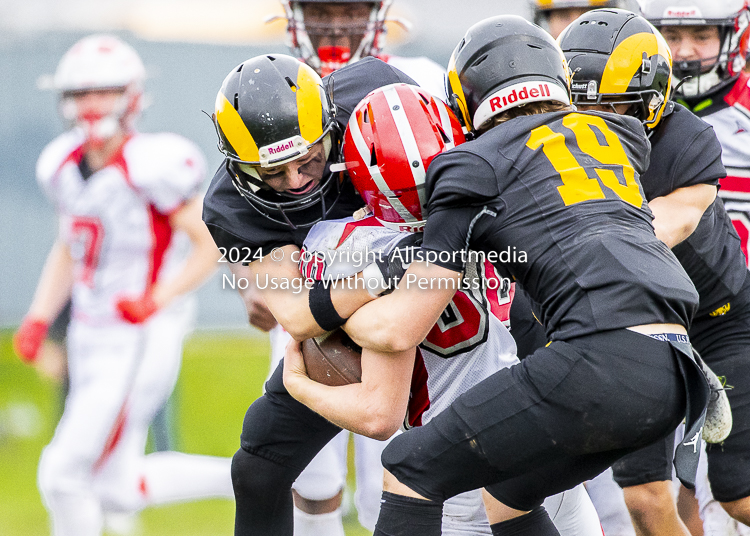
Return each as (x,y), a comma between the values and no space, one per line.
(101,62)
(730,16)
(367,36)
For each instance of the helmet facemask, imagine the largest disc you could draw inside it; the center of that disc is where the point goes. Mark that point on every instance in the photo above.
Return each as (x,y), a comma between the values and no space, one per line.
(327,45)
(99,127)
(729,17)
(262,130)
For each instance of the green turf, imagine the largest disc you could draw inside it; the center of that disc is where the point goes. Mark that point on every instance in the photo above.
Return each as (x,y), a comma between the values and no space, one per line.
(221,374)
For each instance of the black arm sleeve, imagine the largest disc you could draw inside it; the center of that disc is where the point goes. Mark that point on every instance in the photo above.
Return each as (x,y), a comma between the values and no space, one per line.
(447,235)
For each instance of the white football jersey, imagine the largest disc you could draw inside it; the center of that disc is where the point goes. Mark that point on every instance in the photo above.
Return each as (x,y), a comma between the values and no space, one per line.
(425,72)
(469,342)
(116,221)
(732,126)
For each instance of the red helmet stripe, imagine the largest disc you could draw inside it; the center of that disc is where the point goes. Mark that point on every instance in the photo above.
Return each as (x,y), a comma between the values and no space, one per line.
(408,140)
(377,177)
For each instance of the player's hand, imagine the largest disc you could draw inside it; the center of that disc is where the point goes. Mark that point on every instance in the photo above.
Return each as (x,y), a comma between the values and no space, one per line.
(29,338)
(388,270)
(294,366)
(137,311)
(258,314)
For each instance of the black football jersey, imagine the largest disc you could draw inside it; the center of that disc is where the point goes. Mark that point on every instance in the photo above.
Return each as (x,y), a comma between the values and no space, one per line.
(237,225)
(554,201)
(685,152)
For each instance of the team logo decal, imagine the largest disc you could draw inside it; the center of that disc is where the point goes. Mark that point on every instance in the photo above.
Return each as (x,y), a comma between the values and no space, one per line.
(674,12)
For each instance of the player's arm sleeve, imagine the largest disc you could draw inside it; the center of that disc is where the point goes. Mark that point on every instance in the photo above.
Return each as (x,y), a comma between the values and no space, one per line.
(699,161)
(167,169)
(462,192)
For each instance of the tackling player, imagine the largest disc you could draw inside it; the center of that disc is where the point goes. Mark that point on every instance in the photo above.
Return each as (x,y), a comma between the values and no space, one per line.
(389,130)
(328,35)
(680,185)
(709,43)
(128,205)
(274,185)
(563,187)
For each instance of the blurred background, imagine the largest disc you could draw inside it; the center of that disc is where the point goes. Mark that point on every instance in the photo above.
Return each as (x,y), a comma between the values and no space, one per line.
(188,46)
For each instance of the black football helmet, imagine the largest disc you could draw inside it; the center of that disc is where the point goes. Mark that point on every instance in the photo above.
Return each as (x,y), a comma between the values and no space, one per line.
(618,57)
(269,111)
(503,62)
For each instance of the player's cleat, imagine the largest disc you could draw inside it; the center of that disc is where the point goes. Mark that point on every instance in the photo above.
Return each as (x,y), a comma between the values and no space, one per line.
(718,413)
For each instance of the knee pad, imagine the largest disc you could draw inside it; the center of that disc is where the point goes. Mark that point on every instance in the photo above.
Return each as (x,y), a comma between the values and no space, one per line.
(258,477)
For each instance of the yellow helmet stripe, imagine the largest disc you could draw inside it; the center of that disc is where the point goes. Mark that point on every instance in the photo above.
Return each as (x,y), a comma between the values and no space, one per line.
(455,87)
(309,104)
(235,130)
(626,59)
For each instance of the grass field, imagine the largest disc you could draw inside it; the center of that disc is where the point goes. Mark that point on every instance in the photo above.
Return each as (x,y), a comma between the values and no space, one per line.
(221,374)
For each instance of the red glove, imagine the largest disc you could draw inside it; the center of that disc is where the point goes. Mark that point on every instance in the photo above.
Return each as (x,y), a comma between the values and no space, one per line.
(137,311)
(29,338)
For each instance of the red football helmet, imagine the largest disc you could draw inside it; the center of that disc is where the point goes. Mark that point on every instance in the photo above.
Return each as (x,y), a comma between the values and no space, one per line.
(392,136)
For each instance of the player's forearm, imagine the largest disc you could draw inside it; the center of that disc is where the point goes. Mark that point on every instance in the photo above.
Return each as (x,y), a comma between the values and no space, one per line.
(349,407)
(373,408)
(677,214)
(402,319)
(198,267)
(287,294)
(54,286)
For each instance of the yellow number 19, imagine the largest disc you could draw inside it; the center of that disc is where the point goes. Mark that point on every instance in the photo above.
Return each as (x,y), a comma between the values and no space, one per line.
(577,186)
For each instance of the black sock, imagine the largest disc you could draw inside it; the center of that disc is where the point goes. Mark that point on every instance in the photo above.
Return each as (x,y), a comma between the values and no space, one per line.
(535,523)
(400,515)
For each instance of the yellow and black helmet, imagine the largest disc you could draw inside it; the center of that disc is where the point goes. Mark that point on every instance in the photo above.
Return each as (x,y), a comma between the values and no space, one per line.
(503,62)
(618,57)
(269,111)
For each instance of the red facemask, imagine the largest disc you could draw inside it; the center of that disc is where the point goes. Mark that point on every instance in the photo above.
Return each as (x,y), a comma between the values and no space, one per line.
(333,58)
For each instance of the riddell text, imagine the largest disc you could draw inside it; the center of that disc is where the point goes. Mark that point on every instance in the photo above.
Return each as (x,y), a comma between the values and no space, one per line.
(498,103)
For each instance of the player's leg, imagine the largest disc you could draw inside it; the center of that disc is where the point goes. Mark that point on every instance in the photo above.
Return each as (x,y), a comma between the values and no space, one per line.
(465,515)
(646,480)
(100,363)
(539,410)
(609,502)
(318,491)
(573,513)
(130,481)
(715,520)
(279,438)
(367,454)
(724,342)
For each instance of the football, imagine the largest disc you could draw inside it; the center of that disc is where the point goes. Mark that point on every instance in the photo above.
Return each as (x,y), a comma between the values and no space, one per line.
(333,359)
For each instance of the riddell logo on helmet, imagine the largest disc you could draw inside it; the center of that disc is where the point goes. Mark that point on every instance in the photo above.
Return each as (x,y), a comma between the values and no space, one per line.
(517,95)
(524,93)
(682,13)
(281,147)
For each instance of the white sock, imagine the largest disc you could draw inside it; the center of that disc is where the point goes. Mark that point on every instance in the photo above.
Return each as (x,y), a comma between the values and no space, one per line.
(329,524)
(174,477)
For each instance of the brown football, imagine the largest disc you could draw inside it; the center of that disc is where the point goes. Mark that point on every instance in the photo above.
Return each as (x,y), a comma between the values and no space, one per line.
(333,359)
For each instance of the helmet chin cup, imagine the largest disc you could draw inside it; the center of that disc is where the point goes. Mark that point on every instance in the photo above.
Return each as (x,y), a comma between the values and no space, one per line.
(98,132)
(333,58)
